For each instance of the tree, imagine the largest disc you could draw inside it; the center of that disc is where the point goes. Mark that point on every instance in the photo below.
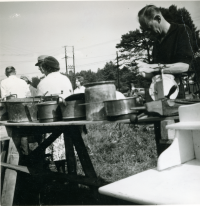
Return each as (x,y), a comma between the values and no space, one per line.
(136,44)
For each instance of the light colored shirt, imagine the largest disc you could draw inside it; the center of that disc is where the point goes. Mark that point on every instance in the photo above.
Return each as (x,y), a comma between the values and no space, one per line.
(119,95)
(54,83)
(33,91)
(14,85)
(79,90)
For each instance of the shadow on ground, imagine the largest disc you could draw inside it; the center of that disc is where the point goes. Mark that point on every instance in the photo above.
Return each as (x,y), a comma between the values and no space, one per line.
(30,192)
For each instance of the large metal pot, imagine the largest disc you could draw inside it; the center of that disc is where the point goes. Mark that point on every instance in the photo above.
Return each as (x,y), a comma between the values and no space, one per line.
(48,98)
(11,96)
(121,109)
(3,111)
(95,94)
(22,109)
(49,111)
(73,110)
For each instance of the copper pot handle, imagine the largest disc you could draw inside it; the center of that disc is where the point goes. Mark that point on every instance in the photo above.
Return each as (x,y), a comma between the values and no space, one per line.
(63,101)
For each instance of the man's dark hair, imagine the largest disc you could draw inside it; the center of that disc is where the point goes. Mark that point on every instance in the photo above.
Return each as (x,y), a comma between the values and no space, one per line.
(9,70)
(147,13)
(80,79)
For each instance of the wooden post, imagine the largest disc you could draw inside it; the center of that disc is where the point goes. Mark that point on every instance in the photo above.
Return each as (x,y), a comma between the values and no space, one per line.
(82,153)
(157,136)
(4,154)
(10,175)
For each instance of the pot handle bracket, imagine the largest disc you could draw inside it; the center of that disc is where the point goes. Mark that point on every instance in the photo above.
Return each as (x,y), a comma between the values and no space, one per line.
(63,101)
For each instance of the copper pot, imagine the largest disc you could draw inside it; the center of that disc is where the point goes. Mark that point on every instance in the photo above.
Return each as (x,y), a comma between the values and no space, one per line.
(121,109)
(22,109)
(49,111)
(73,110)
(95,94)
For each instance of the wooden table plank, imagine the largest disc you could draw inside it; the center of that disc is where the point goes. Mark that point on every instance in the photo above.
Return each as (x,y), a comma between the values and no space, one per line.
(84,122)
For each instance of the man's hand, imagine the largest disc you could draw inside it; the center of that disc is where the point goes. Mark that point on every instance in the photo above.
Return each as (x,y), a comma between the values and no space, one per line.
(145,70)
(25,79)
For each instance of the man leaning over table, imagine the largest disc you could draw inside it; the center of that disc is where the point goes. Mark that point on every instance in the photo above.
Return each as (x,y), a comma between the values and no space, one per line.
(172,48)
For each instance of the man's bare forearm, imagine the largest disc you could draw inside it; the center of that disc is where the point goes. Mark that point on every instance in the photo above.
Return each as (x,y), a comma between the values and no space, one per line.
(176,68)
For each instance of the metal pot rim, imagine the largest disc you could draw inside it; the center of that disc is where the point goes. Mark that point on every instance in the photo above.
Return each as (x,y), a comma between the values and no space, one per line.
(118,100)
(22,100)
(47,103)
(98,83)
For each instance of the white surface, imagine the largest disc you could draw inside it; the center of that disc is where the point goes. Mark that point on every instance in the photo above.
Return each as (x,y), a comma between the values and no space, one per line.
(180,151)
(168,83)
(185,126)
(3,132)
(196,140)
(189,113)
(178,185)
(119,95)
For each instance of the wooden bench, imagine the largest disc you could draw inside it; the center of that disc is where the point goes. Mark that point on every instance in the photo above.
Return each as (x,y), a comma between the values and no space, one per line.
(176,180)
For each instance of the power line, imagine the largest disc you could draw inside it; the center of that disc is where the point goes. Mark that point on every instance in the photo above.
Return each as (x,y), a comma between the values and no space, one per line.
(98,44)
(22,49)
(95,62)
(97,56)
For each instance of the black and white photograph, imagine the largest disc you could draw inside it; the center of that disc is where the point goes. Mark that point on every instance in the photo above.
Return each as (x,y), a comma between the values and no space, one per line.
(100,102)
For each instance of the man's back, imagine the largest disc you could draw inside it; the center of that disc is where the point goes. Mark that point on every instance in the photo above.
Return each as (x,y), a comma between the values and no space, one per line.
(14,85)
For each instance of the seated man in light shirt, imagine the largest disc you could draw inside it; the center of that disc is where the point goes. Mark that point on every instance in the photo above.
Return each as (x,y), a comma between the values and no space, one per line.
(79,83)
(14,85)
(54,82)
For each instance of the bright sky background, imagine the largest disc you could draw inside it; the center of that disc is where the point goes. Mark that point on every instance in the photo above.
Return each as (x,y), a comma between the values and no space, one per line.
(30,29)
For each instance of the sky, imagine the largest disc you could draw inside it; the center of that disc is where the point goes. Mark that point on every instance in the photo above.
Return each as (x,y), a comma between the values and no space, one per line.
(93,28)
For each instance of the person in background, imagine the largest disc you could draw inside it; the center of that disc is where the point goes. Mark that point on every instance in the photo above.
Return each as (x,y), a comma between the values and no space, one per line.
(172,49)
(79,83)
(14,85)
(55,83)
(33,85)
(119,95)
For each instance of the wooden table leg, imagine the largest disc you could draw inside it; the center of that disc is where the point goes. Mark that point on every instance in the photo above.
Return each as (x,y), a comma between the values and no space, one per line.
(70,156)
(84,157)
(11,175)
(69,150)
(33,159)
(157,131)
(158,136)
(4,154)
(82,152)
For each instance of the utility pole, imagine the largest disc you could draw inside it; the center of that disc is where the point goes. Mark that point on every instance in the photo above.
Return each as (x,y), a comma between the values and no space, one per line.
(118,71)
(74,66)
(66,59)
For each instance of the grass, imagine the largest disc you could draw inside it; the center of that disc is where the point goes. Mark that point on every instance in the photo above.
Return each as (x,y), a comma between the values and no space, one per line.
(120,150)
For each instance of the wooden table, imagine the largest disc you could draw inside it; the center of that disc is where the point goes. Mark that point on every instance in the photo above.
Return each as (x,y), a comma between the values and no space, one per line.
(32,163)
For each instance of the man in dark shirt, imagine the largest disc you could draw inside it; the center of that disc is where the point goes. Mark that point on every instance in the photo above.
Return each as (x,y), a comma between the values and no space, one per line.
(172,47)
(175,46)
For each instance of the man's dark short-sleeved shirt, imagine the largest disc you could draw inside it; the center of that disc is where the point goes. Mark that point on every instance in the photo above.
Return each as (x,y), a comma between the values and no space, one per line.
(175,47)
